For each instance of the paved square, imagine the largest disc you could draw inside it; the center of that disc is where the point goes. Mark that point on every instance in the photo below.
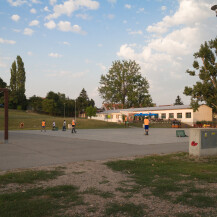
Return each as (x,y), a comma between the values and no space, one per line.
(35,148)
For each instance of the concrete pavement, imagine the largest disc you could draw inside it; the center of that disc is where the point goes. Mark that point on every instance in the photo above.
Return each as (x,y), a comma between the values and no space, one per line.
(28,149)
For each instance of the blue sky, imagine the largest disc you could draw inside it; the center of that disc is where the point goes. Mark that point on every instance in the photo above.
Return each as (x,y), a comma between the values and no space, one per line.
(67,45)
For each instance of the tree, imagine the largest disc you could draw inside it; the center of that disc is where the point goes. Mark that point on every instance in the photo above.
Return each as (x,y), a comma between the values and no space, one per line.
(91,111)
(35,103)
(124,84)
(204,90)
(178,101)
(2,85)
(83,101)
(17,84)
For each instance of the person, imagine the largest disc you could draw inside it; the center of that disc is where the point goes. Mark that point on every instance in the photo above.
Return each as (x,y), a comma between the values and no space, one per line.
(64,125)
(125,121)
(73,126)
(54,125)
(43,124)
(146,125)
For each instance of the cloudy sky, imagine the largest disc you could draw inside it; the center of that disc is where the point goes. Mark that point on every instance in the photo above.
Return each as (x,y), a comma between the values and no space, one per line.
(67,44)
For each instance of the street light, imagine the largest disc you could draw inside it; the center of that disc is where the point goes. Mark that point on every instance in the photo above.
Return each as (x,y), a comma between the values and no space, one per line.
(64,110)
(214,8)
(75,110)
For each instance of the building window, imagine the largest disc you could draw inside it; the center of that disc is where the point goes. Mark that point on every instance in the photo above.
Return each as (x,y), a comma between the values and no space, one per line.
(188,115)
(163,115)
(171,115)
(179,115)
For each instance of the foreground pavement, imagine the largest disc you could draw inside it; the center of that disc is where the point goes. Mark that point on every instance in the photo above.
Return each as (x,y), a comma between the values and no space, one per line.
(28,149)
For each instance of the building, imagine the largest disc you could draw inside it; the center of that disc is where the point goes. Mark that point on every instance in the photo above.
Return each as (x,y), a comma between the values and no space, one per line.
(183,113)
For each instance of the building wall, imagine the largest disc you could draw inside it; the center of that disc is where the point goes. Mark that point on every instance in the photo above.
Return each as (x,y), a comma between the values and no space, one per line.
(204,113)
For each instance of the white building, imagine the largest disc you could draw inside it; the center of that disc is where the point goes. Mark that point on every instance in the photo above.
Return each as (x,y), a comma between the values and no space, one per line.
(183,113)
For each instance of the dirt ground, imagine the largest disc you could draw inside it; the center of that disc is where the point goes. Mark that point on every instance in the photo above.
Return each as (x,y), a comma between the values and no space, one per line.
(96,175)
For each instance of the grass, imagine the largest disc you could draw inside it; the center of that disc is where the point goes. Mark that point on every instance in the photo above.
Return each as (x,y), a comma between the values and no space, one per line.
(173,177)
(126,209)
(32,121)
(103,194)
(29,176)
(39,202)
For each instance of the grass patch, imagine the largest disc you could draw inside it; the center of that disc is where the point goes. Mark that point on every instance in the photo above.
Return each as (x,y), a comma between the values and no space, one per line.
(103,194)
(170,174)
(104,182)
(32,121)
(126,209)
(29,176)
(39,202)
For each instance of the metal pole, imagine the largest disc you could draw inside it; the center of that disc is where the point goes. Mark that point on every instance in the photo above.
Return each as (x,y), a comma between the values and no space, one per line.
(64,110)
(75,110)
(6,114)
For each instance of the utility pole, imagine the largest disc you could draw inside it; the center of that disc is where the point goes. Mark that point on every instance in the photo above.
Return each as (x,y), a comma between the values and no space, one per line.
(75,110)
(64,110)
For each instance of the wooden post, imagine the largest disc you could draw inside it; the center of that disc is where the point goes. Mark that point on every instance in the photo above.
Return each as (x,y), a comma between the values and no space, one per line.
(5,90)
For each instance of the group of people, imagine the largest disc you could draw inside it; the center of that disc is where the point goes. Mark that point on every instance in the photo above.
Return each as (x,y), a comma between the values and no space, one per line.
(43,126)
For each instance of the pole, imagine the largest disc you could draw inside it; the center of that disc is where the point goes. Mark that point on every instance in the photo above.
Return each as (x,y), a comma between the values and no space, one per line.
(75,110)
(64,110)
(6,114)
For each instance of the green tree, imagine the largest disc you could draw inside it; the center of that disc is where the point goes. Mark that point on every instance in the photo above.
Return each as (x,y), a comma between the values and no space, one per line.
(35,103)
(90,111)
(124,84)
(17,85)
(83,101)
(2,85)
(205,90)
(48,106)
(178,101)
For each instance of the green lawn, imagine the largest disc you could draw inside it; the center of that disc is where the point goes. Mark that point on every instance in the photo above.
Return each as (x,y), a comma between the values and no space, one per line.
(32,121)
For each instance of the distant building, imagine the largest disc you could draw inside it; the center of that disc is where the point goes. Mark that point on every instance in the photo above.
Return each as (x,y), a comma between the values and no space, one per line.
(183,113)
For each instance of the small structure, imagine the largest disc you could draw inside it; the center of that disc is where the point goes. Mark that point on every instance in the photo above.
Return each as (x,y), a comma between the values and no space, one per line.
(203,142)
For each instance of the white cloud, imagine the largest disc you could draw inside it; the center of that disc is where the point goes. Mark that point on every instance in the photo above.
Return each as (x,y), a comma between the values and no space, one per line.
(189,13)
(70,6)
(15,17)
(99,45)
(141,10)
(46,9)
(16,3)
(50,25)
(139,32)
(124,22)
(16,30)
(111,16)
(34,23)
(165,58)
(53,2)
(66,43)
(55,55)
(102,67)
(29,53)
(127,6)
(112,1)
(33,11)
(36,2)
(163,8)
(66,26)
(28,31)
(83,16)
(5,41)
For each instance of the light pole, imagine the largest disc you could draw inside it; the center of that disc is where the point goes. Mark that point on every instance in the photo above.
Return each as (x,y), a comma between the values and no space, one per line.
(214,8)
(75,110)
(64,110)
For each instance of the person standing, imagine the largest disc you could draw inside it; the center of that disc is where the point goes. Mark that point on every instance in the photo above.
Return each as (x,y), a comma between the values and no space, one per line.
(146,125)
(73,126)
(43,124)
(64,125)
(54,126)
(125,121)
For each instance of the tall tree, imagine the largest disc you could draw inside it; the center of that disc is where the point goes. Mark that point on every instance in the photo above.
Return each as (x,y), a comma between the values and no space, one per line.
(90,111)
(178,101)
(204,90)
(2,85)
(17,84)
(124,84)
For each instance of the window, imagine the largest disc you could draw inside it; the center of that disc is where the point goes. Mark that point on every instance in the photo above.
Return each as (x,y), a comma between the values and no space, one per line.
(179,115)
(171,115)
(188,114)
(163,115)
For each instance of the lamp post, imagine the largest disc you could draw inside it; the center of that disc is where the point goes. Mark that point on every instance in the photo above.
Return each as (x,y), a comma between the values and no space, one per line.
(214,8)
(64,110)
(75,110)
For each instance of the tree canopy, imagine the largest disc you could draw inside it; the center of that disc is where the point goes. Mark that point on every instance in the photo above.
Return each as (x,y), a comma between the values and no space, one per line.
(17,84)
(124,84)
(205,67)
(178,101)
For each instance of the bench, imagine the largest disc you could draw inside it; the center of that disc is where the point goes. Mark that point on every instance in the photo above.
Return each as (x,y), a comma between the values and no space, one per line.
(180,133)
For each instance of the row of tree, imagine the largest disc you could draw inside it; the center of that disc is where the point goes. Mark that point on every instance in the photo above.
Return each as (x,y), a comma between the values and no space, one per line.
(123,85)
